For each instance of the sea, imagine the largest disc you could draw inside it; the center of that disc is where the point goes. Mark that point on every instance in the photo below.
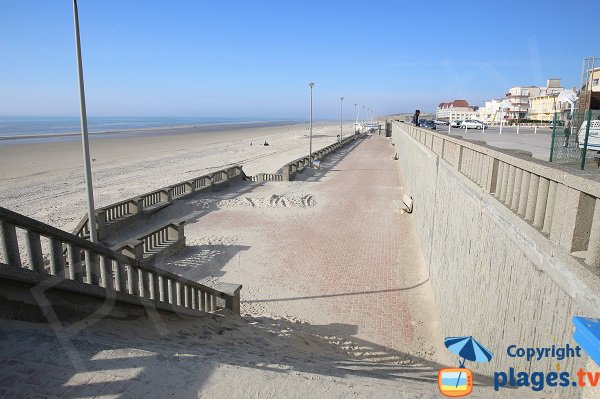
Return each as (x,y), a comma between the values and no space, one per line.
(32,129)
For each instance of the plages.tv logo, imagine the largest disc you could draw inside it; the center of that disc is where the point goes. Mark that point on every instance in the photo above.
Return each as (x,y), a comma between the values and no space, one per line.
(458,381)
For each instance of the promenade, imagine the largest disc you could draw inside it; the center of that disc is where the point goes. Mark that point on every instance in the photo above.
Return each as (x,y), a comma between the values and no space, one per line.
(329,247)
(336,302)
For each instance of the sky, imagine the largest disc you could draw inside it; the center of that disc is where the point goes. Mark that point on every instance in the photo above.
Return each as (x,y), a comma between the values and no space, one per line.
(256,58)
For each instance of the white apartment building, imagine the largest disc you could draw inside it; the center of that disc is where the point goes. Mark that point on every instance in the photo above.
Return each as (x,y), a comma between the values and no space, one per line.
(520,96)
(519,100)
(455,110)
(490,112)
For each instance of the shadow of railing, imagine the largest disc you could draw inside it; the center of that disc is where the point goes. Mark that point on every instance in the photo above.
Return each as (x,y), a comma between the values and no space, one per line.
(198,262)
(129,358)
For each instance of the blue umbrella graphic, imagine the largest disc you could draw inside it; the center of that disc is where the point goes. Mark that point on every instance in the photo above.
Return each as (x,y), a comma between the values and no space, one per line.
(469,349)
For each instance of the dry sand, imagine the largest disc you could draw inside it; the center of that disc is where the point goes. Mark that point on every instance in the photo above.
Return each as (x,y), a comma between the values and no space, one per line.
(45,180)
(300,348)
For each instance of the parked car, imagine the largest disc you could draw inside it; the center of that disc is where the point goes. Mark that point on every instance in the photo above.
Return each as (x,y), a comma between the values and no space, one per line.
(456,123)
(437,122)
(428,124)
(472,124)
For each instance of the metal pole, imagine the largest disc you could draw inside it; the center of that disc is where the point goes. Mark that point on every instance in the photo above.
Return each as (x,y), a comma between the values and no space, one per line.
(356,113)
(553,136)
(341,116)
(84,132)
(364,118)
(585,140)
(310,139)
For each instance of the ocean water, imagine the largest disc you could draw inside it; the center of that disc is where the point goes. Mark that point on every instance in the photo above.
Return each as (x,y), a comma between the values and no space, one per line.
(18,129)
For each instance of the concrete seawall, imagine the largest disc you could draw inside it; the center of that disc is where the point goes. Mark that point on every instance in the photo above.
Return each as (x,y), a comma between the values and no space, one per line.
(494,275)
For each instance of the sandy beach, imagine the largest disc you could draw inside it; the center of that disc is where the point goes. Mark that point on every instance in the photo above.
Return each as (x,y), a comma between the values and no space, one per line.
(45,180)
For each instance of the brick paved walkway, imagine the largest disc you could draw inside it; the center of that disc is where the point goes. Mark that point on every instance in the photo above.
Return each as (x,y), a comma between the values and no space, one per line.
(331,247)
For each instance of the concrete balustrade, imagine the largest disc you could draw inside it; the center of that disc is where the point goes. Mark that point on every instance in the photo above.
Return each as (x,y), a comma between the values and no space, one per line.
(201,183)
(112,217)
(166,239)
(560,203)
(267,177)
(155,199)
(518,238)
(289,170)
(181,190)
(92,269)
(219,177)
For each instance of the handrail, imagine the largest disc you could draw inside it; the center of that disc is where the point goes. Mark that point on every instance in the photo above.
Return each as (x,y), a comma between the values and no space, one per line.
(577,179)
(95,261)
(563,204)
(303,161)
(166,195)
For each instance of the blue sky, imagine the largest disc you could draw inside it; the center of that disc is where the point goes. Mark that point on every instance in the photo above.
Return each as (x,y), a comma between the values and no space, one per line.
(255,58)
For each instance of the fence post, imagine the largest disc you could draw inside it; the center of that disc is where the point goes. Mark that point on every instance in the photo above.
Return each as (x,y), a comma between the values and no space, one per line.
(587,135)
(553,136)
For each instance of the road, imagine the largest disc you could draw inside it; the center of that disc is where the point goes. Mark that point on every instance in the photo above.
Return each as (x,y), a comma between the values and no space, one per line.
(528,139)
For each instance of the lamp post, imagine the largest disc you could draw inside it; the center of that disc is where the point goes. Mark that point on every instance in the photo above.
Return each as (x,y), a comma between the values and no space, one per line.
(355,113)
(341,115)
(311,84)
(84,131)
(363,117)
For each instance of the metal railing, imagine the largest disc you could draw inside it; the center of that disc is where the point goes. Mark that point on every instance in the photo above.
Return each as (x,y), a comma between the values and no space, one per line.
(562,203)
(93,269)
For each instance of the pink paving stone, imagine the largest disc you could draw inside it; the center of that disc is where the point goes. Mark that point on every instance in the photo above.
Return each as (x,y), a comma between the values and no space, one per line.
(353,257)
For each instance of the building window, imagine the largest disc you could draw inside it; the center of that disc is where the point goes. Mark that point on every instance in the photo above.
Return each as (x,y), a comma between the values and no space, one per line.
(595,82)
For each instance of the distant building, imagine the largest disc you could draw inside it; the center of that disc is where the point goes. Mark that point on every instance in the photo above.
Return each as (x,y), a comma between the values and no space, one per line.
(542,108)
(519,101)
(490,112)
(589,95)
(455,110)
(532,102)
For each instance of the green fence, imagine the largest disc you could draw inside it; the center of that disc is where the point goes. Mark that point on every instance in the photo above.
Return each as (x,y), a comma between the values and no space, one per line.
(576,139)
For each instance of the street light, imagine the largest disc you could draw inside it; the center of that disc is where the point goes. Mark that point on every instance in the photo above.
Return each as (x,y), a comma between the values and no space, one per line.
(341,115)
(364,117)
(310,137)
(355,113)
(84,131)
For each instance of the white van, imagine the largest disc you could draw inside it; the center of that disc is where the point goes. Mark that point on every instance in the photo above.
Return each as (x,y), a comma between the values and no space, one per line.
(593,143)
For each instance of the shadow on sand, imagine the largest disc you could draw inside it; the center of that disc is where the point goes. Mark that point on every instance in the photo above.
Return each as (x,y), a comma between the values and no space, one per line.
(179,359)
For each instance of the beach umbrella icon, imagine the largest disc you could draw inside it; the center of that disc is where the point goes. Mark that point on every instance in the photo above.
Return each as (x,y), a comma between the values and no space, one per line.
(469,349)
